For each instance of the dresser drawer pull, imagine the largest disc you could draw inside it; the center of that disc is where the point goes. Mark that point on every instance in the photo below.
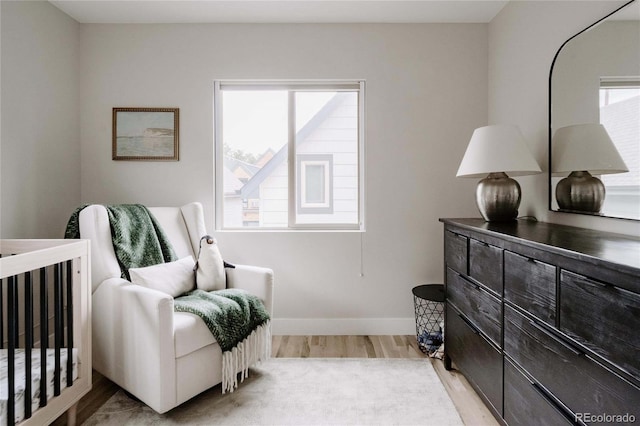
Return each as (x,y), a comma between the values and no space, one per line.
(455,234)
(600,283)
(527,258)
(618,375)
(474,285)
(551,400)
(470,324)
(593,281)
(559,340)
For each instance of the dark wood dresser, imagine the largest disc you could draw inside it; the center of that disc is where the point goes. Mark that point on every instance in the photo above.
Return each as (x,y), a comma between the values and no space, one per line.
(544,320)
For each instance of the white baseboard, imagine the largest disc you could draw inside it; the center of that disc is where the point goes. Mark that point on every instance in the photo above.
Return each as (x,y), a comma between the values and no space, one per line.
(342,326)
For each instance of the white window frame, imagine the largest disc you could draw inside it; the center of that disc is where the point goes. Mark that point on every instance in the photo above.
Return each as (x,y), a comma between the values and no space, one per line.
(292,86)
(620,82)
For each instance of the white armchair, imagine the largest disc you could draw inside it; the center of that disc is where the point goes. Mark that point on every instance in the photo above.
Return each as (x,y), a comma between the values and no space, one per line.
(160,356)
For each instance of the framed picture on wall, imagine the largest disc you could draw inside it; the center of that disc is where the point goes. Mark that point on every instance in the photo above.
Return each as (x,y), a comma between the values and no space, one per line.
(145,134)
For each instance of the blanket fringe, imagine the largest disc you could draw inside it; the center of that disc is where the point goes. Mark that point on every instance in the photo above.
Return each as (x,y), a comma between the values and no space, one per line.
(254,349)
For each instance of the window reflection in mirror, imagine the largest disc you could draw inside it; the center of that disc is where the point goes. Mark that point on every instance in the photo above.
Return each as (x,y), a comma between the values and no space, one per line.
(620,115)
(595,78)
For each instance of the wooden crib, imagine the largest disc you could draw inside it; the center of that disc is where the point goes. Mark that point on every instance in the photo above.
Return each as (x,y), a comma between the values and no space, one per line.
(45,333)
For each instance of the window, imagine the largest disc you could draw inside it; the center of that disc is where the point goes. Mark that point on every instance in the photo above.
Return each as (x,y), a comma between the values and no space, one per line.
(289,155)
(315,184)
(619,112)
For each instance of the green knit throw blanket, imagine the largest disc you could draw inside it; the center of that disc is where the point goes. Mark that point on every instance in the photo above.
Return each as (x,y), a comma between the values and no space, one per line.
(231,314)
(138,238)
(240,324)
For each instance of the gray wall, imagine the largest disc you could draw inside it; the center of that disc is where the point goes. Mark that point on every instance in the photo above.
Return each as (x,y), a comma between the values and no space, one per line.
(426,92)
(40,144)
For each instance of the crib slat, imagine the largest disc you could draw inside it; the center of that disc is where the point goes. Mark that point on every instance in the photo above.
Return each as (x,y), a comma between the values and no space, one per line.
(69,323)
(12,317)
(28,341)
(44,336)
(57,323)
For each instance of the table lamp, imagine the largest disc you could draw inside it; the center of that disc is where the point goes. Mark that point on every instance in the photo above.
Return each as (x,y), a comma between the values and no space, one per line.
(493,152)
(581,150)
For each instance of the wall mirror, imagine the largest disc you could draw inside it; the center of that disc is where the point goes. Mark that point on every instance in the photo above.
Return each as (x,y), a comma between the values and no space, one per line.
(594,83)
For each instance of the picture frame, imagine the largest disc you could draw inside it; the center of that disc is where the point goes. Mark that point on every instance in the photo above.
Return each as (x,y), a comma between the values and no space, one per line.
(145,134)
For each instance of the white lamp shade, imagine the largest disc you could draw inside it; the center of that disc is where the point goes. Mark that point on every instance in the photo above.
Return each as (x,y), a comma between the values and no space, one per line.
(497,148)
(585,147)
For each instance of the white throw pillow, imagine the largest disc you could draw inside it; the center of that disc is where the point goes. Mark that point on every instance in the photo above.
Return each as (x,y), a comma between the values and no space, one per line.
(173,278)
(210,274)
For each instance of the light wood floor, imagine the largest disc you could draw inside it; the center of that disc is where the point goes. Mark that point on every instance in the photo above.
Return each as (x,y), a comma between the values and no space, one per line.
(469,405)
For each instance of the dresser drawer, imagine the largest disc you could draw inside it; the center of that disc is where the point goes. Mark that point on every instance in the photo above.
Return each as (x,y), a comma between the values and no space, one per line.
(455,251)
(531,284)
(606,318)
(474,356)
(485,264)
(483,309)
(525,400)
(582,384)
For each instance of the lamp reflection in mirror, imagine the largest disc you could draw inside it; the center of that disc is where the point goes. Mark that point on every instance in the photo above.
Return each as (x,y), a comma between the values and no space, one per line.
(582,150)
(495,151)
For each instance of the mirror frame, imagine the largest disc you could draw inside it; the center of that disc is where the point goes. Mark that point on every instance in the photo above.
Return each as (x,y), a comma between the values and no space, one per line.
(550,181)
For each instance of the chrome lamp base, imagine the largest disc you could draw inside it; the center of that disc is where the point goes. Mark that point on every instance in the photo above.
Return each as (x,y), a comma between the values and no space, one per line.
(498,197)
(580,192)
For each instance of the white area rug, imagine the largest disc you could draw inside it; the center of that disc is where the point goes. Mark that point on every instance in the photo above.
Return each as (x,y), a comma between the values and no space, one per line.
(310,391)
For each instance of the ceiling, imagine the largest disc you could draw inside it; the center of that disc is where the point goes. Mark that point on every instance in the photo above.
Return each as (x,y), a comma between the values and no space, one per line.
(280,11)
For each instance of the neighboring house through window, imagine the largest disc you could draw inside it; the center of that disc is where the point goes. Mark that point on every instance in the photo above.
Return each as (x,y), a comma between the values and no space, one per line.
(289,154)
